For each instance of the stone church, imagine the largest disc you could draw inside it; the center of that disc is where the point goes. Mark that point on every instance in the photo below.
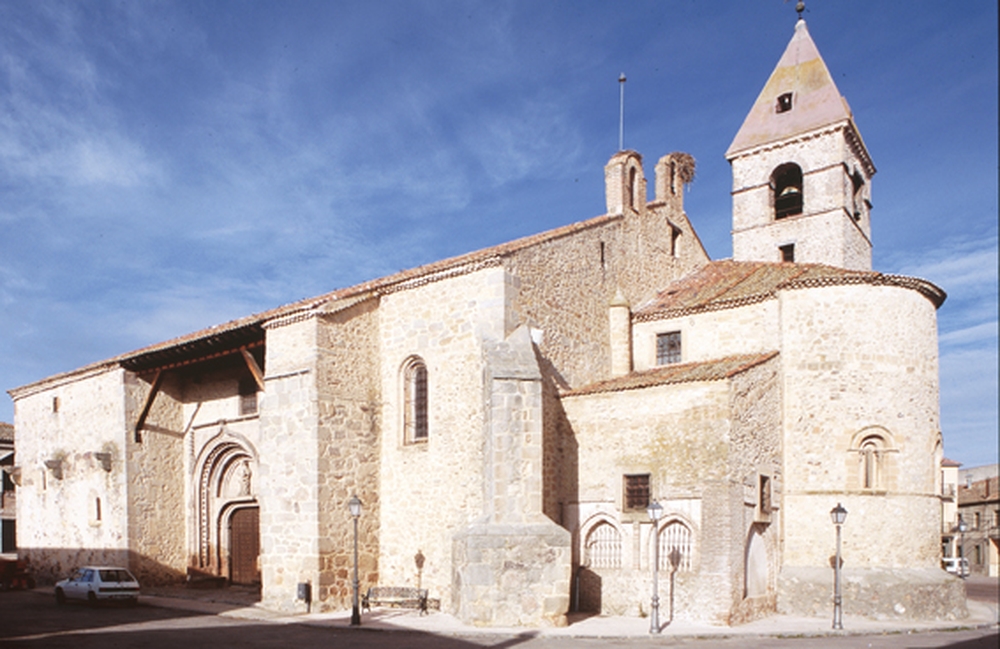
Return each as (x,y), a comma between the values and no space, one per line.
(507,416)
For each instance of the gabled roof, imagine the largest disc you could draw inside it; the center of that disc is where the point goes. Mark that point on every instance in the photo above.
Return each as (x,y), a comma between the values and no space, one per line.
(715,370)
(816,102)
(729,284)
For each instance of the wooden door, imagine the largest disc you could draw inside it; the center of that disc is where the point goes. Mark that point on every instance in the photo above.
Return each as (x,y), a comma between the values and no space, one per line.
(244,546)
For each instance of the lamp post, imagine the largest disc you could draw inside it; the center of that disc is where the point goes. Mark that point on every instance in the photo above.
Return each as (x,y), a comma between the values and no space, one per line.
(354,505)
(655,510)
(838,514)
(963,527)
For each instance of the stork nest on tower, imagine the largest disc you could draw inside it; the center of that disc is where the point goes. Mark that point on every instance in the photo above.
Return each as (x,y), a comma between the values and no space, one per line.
(684,165)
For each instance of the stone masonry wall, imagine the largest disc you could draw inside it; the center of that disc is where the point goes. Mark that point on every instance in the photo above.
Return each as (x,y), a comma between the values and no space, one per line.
(289,448)
(861,361)
(679,434)
(826,231)
(349,449)
(66,423)
(755,451)
(712,335)
(431,489)
(563,289)
(156,488)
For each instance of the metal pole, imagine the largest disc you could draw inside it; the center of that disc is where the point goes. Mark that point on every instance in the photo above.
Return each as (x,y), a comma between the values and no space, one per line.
(654,617)
(621,112)
(837,610)
(355,612)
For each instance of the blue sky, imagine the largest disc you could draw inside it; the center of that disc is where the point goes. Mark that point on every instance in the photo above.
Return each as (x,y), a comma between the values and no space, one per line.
(167,166)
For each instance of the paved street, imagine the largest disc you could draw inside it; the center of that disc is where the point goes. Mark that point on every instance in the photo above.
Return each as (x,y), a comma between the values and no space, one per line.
(32,619)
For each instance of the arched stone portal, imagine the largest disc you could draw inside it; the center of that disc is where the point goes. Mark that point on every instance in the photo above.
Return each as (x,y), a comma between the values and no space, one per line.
(226,535)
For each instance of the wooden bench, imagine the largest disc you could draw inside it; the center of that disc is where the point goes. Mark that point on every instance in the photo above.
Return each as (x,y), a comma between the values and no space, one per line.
(395,597)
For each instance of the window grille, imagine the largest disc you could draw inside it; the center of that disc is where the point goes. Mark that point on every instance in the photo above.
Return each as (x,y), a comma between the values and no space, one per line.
(637,491)
(603,547)
(668,348)
(676,536)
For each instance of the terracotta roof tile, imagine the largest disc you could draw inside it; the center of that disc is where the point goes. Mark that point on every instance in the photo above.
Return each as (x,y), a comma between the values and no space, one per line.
(715,370)
(729,284)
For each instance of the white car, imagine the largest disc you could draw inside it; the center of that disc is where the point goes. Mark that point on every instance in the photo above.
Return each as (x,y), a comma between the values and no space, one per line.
(955,565)
(94,584)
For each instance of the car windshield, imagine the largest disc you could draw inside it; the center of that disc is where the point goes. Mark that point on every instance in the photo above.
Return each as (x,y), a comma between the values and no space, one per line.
(116,575)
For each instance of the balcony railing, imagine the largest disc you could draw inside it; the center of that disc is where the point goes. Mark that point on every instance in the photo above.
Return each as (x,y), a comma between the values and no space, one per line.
(948,491)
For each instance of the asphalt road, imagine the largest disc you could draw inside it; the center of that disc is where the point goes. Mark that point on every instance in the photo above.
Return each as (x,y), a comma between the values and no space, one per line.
(32,619)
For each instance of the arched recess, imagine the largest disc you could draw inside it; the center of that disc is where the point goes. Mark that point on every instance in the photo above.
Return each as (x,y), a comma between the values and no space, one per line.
(873,446)
(678,548)
(602,544)
(226,482)
(756,571)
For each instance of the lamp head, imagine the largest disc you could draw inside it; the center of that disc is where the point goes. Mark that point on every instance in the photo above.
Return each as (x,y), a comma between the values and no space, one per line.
(354,504)
(655,510)
(838,514)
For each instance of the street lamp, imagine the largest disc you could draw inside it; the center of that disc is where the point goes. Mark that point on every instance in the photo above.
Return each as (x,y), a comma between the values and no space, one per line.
(354,504)
(838,514)
(963,527)
(655,510)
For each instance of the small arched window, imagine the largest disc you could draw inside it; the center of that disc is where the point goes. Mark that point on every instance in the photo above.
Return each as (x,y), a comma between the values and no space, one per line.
(603,548)
(630,190)
(786,182)
(676,547)
(871,449)
(415,428)
(874,448)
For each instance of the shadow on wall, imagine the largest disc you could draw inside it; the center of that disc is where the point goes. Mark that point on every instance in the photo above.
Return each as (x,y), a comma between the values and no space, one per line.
(49,565)
(588,591)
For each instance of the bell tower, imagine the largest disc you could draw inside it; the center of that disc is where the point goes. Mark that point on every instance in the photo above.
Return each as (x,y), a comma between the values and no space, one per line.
(801,172)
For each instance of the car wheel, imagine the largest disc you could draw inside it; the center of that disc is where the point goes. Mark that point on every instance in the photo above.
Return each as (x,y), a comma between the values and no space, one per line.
(91,599)
(60,596)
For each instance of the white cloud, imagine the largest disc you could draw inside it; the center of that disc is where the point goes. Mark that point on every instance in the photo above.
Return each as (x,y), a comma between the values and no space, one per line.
(974,334)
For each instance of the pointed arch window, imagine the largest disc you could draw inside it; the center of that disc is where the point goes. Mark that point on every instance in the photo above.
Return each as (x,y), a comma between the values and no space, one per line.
(603,548)
(786,182)
(676,547)
(415,424)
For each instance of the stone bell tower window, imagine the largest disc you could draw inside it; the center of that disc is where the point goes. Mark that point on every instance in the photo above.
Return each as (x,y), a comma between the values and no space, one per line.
(784,103)
(787,184)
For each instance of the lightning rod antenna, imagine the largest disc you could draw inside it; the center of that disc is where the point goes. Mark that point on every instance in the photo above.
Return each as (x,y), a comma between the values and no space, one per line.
(621,112)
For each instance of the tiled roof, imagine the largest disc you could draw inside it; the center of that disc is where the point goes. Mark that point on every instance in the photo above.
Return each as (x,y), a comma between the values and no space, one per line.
(6,432)
(716,370)
(815,103)
(728,284)
(951,463)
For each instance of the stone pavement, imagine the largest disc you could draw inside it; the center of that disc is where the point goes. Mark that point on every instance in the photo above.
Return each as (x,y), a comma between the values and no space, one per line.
(239,603)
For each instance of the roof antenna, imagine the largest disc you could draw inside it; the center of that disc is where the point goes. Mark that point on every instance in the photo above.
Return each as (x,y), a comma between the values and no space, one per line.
(621,112)
(800,6)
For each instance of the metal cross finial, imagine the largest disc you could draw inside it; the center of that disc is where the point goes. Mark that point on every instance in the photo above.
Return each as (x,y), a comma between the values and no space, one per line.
(800,6)
(621,112)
